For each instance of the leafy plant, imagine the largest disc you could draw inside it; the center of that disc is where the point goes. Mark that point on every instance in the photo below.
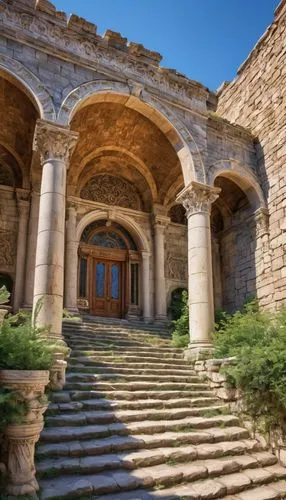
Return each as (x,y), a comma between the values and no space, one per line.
(4,295)
(24,347)
(257,339)
(180,334)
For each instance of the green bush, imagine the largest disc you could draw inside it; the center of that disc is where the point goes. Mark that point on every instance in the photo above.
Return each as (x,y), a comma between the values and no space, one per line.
(4,295)
(258,341)
(24,347)
(177,303)
(180,333)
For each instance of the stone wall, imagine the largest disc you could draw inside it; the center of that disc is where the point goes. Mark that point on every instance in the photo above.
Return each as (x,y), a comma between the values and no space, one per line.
(8,231)
(256,100)
(176,261)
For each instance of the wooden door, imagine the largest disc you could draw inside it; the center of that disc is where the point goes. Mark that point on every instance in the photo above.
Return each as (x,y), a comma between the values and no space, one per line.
(107,288)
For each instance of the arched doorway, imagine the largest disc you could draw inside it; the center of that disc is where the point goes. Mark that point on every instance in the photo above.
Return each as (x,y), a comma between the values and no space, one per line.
(109,270)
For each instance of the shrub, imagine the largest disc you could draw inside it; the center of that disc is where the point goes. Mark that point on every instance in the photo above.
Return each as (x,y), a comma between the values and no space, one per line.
(177,303)
(4,295)
(24,347)
(180,334)
(258,340)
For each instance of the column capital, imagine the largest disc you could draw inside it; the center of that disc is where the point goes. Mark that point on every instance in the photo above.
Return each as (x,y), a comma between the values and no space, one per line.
(197,197)
(161,221)
(72,208)
(53,141)
(145,254)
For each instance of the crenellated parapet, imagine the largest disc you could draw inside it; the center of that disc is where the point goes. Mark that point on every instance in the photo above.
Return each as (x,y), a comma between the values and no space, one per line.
(73,38)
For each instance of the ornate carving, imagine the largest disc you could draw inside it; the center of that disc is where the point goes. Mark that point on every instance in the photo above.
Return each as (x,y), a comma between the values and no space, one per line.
(93,49)
(177,268)
(112,191)
(197,198)
(29,387)
(8,248)
(53,141)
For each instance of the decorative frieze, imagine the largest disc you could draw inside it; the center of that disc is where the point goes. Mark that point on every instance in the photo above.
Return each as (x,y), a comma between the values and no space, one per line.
(197,198)
(111,190)
(53,141)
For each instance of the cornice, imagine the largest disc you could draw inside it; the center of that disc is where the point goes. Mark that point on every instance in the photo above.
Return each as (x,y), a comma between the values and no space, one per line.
(75,39)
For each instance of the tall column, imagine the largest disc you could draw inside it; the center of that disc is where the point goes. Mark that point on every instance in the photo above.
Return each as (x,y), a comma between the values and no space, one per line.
(160,224)
(23,204)
(197,200)
(55,145)
(31,250)
(71,261)
(146,286)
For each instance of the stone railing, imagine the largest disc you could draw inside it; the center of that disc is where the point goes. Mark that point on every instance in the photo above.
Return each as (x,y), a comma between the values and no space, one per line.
(212,369)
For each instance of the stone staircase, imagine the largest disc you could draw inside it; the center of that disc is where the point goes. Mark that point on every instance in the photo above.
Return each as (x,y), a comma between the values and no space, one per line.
(134,421)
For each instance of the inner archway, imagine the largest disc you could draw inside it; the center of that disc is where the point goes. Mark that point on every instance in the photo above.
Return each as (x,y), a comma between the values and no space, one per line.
(109,270)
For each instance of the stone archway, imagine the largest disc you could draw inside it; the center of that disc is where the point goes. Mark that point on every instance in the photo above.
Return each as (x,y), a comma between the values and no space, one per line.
(32,84)
(162,116)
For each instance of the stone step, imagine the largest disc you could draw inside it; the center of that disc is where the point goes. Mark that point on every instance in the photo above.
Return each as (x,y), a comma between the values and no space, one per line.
(112,359)
(117,444)
(100,404)
(160,476)
(166,367)
(104,344)
(67,433)
(273,491)
(131,358)
(122,335)
(135,328)
(85,374)
(126,344)
(78,395)
(107,417)
(135,386)
(148,458)
(87,366)
(118,332)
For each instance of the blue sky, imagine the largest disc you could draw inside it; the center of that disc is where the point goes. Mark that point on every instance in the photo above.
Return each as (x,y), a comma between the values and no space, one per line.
(205,39)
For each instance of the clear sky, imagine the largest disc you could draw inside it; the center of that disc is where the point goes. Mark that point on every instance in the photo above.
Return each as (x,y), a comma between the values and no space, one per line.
(207,40)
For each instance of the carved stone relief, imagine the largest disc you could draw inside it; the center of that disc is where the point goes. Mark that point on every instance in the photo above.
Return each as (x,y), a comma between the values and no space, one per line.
(112,191)
(177,268)
(7,249)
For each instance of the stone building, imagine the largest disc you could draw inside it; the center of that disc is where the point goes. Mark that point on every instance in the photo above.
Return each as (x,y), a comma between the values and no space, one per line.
(117,175)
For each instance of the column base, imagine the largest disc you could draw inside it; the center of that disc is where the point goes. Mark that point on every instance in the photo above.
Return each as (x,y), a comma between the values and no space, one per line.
(198,351)
(161,318)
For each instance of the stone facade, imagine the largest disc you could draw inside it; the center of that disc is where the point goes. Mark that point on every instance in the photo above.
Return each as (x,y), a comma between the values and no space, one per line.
(95,131)
(256,101)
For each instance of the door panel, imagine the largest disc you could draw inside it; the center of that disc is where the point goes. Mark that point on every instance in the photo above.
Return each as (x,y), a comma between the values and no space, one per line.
(106,292)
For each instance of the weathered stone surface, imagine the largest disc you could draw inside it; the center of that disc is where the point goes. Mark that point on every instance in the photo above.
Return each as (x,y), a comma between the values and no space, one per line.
(155,456)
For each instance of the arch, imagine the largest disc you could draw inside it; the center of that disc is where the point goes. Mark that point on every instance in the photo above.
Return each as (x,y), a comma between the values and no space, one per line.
(240,175)
(138,164)
(33,86)
(162,116)
(128,223)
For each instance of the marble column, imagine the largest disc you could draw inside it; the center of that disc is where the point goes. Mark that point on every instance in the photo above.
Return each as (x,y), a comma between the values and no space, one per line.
(55,144)
(71,261)
(23,205)
(160,224)
(31,250)
(146,286)
(197,200)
